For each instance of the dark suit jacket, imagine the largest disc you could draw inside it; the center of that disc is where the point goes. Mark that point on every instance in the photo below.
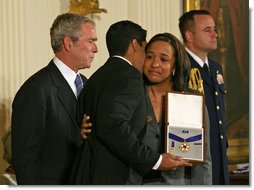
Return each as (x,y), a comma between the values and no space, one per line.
(114,98)
(214,95)
(45,134)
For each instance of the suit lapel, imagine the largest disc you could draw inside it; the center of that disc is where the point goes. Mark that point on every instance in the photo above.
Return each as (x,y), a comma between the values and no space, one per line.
(213,73)
(64,92)
(151,118)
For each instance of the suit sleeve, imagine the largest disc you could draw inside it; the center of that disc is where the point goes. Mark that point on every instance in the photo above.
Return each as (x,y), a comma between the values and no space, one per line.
(115,111)
(28,126)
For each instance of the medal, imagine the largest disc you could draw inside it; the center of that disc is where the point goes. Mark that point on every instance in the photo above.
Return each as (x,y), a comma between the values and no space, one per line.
(184,146)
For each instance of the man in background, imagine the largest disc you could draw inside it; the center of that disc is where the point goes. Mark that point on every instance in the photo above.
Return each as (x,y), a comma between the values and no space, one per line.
(198,31)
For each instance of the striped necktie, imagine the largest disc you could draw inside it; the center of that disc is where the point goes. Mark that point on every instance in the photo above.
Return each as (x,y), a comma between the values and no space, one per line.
(79,84)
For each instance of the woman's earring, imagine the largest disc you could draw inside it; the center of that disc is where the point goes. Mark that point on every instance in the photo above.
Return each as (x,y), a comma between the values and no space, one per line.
(173,72)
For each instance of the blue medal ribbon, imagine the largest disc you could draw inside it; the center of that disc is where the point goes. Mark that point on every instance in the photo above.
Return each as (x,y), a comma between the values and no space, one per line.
(180,139)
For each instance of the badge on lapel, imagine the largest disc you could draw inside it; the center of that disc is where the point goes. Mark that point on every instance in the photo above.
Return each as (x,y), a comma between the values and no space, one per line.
(219,78)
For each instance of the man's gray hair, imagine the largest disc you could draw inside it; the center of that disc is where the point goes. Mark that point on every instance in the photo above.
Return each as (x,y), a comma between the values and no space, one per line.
(67,24)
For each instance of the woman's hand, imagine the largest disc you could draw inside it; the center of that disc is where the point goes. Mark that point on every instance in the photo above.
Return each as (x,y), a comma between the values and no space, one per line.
(85,128)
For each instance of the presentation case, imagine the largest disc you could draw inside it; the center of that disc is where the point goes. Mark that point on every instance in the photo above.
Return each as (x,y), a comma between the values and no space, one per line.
(185,130)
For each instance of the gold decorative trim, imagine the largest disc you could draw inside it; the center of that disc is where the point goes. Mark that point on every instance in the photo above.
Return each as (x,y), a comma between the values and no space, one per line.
(190,5)
(85,7)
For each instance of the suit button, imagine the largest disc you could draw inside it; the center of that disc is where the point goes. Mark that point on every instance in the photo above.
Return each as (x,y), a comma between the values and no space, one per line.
(220,122)
(218,107)
(221,137)
(216,93)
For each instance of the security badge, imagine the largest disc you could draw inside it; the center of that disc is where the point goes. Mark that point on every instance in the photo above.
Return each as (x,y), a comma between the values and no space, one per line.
(184,145)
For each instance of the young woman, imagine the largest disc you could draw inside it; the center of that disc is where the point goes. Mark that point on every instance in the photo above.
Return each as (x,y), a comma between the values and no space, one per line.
(167,68)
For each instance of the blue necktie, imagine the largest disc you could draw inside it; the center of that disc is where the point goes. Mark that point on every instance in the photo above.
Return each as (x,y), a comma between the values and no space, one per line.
(79,84)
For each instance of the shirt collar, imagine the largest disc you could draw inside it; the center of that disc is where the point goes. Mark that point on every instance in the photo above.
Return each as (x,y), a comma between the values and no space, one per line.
(67,73)
(197,59)
(122,58)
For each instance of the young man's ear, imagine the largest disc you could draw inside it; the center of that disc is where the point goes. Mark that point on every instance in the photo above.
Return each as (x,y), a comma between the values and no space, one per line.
(134,44)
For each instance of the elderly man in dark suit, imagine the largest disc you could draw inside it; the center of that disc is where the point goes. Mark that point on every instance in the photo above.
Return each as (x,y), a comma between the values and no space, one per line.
(198,31)
(45,134)
(114,97)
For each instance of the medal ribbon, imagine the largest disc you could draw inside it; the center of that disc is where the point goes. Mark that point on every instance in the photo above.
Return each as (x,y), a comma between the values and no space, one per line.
(180,139)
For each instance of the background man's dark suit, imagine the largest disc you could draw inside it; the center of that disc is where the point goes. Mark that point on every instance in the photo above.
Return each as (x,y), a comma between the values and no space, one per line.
(114,97)
(45,134)
(214,95)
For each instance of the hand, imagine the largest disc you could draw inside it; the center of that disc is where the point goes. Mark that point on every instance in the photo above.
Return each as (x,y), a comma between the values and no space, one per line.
(171,162)
(85,128)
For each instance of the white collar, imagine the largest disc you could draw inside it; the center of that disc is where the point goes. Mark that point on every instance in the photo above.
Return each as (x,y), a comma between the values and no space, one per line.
(122,58)
(197,59)
(67,73)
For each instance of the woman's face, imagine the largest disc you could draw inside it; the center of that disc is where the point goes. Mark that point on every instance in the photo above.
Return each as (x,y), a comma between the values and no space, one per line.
(159,62)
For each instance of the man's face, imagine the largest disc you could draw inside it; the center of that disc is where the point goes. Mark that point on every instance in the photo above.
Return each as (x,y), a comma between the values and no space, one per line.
(204,34)
(84,49)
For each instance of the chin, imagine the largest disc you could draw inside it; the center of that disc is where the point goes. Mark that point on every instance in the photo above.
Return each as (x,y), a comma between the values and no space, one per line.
(151,83)
(86,66)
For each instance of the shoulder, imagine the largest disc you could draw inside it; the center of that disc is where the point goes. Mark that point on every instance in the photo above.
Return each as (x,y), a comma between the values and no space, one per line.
(119,68)
(45,74)
(39,80)
(38,77)
(115,72)
(215,64)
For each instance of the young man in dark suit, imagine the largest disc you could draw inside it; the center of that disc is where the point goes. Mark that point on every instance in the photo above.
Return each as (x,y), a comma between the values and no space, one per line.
(114,98)
(45,134)
(198,31)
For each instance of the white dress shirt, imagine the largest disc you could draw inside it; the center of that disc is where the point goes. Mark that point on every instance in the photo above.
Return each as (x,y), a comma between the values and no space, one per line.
(197,59)
(67,73)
